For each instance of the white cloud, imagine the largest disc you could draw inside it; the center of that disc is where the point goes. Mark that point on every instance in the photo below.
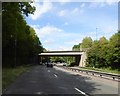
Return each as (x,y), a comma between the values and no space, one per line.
(82,5)
(62,48)
(93,4)
(63,2)
(48,41)
(69,13)
(75,41)
(41,9)
(50,32)
(75,10)
(58,39)
(63,12)
(35,26)
(110,2)
(102,3)
(66,23)
(51,35)
(47,30)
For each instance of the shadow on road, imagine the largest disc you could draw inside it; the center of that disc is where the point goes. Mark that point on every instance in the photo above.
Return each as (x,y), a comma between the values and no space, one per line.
(41,80)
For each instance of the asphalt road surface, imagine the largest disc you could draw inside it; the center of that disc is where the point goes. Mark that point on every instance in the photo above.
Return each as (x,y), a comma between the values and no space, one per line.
(43,80)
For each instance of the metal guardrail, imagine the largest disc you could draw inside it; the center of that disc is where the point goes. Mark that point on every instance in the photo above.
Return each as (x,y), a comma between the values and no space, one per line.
(91,72)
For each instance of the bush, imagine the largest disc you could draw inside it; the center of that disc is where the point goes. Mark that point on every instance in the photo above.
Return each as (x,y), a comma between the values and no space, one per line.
(71,64)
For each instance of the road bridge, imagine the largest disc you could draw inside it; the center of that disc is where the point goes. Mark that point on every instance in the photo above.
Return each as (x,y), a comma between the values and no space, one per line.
(80,56)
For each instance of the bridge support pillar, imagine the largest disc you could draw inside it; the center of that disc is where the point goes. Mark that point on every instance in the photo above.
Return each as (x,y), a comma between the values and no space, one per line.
(83,60)
(77,59)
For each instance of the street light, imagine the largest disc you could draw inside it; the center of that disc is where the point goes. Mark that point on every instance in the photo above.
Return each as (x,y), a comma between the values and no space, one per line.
(96,40)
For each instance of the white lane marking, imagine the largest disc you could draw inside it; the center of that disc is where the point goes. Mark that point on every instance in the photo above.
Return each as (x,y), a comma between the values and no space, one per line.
(48,70)
(55,75)
(38,93)
(81,91)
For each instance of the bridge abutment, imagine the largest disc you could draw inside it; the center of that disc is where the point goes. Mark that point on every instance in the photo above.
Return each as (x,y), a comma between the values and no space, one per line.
(82,61)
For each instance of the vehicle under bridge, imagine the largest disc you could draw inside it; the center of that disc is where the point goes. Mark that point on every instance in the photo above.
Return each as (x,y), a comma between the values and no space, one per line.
(80,56)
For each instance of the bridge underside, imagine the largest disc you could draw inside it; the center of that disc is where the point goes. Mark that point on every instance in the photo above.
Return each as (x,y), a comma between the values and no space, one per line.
(77,58)
(76,55)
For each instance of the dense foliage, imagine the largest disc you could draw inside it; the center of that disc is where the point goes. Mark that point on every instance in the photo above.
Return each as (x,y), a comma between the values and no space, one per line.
(76,47)
(20,44)
(86,42)
(67,59)
(103,53)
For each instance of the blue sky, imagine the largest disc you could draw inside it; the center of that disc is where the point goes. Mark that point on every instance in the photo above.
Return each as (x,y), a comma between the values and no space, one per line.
(60,25)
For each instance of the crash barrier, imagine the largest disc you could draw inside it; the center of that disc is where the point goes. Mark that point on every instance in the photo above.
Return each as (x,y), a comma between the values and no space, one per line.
(95,73)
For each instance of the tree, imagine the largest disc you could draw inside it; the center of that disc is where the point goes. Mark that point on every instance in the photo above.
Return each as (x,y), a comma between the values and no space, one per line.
(76,47)
(103,41)
(86,43)
(92,55)
(104,53)
(17,35)
(114,49)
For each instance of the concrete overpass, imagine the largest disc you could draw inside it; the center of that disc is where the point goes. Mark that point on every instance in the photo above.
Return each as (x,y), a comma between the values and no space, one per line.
(80,56)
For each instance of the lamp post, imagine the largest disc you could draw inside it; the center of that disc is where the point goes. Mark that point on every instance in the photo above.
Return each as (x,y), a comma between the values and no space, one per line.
(96,41)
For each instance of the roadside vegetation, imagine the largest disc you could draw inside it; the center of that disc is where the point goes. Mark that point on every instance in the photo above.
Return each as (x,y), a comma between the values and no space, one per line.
(11,74)
(102,54)
(20,43)
(108,70)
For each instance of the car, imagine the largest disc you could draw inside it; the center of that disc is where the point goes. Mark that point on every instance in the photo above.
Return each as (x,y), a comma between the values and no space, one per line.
(64,64)
(40,63)
(54,64)
(49,64)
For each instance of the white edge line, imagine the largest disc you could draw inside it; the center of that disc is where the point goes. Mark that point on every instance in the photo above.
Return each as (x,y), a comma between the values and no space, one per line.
(55,75)
(81,91)
(48,70)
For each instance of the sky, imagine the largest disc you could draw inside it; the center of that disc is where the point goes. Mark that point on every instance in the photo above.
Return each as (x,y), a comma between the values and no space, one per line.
(61,25)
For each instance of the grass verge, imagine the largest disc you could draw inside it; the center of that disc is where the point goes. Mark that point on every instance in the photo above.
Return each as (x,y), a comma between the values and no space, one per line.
(10,74)
(109,70)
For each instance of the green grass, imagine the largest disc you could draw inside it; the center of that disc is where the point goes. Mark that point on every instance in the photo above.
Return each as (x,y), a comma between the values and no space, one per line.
(109,70)
(9,75)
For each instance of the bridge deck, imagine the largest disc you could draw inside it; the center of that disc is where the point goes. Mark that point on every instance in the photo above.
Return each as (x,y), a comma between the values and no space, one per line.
(60,53)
